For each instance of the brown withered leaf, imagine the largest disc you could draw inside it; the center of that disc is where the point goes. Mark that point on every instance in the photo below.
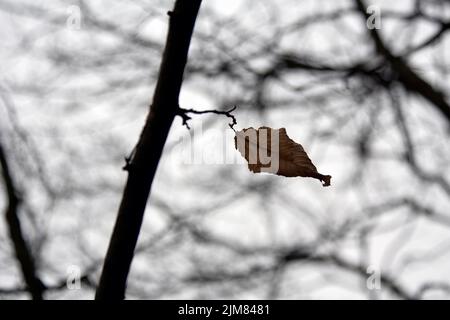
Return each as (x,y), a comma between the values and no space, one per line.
(271,150)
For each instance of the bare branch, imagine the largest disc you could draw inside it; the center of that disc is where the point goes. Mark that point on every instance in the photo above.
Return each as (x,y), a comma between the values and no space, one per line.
(148,152)
(183,114)
(406,76)
(22,250)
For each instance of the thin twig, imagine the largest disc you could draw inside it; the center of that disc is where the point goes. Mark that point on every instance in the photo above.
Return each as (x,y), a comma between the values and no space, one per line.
(183,113)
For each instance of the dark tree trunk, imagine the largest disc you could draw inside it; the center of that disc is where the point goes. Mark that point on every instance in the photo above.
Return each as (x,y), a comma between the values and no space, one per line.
(143,165)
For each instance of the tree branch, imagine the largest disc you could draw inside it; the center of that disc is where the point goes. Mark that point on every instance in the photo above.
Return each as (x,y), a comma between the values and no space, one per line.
(148,151)
(359,269)
(405,74)
(23,254)
(183,113)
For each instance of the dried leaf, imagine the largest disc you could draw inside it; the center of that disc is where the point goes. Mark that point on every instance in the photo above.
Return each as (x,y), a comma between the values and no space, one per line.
(271,150)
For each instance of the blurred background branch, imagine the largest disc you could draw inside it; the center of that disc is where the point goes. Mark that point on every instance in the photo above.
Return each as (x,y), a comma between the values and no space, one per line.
(370,106)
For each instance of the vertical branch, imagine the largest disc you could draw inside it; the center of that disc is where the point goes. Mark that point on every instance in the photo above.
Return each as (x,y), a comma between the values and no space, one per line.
(143,165)
(22,251)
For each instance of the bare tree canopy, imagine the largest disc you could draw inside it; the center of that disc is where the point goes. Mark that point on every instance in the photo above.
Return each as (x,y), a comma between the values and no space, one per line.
(363,85)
